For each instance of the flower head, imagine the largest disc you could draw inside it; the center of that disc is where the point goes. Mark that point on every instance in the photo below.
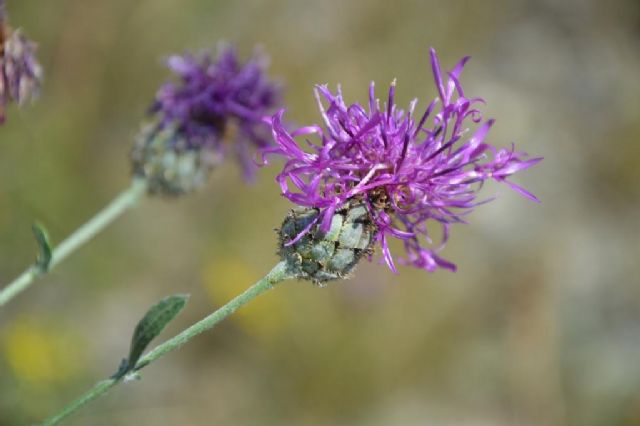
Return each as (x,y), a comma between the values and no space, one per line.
(410,171)
(218,99)
(20,72)
(214,107)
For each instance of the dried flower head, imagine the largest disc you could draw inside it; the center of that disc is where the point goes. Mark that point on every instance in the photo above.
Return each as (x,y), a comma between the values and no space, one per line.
(409,173)
(20,72)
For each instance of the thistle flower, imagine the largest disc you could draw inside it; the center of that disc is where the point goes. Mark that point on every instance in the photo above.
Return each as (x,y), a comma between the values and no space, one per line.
(20,72)
(408,172)
(215,107)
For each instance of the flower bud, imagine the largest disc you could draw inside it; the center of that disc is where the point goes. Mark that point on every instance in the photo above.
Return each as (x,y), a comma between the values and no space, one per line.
(162,157)
(322,257)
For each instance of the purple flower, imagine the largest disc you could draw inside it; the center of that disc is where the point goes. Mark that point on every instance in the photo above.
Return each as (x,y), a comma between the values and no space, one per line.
(20,72)
(219,104)
(410,171)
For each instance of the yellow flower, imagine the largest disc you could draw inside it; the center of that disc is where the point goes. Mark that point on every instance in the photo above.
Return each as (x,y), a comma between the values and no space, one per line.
(39,355)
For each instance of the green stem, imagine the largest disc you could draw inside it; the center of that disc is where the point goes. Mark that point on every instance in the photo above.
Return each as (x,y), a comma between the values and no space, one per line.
(278,274)
(123,202)
(98,390)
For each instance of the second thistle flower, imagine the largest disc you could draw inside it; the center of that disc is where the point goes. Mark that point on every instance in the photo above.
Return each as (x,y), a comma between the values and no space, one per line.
(215,108)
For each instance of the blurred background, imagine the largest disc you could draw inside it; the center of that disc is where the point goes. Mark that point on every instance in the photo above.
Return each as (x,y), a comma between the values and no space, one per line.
(540,326)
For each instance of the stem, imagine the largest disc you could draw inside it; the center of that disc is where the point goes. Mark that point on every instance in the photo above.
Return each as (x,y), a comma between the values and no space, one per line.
(98,390)
(127,199)
(278,274)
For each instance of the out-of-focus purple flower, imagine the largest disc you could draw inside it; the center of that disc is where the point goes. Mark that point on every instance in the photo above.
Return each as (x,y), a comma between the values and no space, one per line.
(20,72)
(410,171)
(219,104)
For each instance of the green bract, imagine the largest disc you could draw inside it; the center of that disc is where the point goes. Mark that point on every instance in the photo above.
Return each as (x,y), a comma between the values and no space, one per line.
(322,257)
(163,161)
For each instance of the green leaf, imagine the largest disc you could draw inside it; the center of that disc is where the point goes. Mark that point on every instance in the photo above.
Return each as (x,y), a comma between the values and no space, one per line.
(42,238)
(150,326)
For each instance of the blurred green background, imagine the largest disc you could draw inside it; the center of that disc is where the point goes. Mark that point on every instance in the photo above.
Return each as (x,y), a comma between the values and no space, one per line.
(540,326)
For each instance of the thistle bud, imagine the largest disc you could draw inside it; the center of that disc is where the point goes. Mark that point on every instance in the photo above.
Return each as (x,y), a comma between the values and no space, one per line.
(321,257)
(162,157)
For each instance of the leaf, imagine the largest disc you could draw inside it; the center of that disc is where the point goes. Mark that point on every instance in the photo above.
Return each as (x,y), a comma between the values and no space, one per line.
(151,325)
(42,238)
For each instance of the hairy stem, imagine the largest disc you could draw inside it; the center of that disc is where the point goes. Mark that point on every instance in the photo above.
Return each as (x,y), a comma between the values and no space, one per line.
(278,274)
(123,202)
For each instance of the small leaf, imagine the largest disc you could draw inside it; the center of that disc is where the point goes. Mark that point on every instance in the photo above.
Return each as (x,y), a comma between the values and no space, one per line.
(122,369)
(151,325)
(42,238)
